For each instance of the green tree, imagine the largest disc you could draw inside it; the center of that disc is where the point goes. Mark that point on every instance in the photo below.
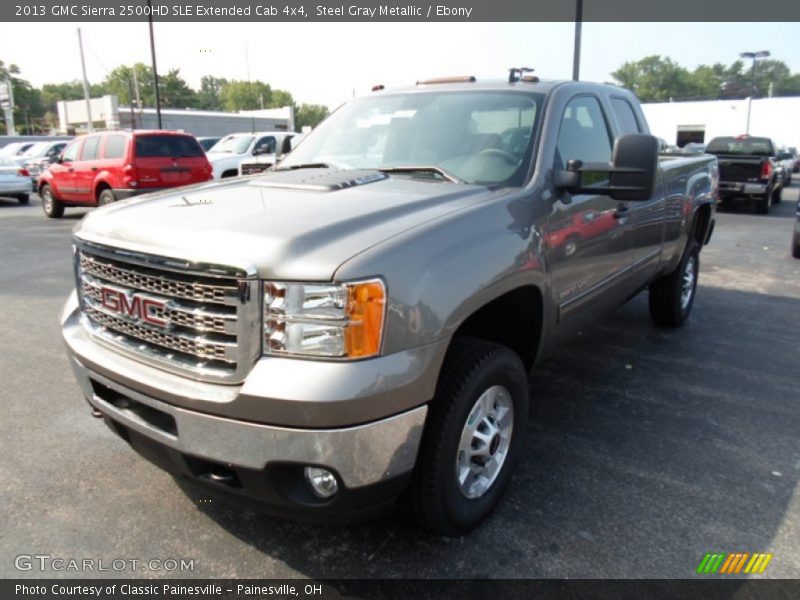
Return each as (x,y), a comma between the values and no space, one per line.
(309,115)
(245,95)
(175,92)
(121,82)
(210,94)
(28,106)
(655,79)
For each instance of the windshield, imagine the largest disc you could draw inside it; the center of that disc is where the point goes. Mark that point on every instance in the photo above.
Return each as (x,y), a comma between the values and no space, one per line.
(234,144)
(479,137)
(749,145)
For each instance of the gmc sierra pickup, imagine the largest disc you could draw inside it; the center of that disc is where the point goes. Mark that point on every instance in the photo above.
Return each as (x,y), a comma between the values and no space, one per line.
(356,326)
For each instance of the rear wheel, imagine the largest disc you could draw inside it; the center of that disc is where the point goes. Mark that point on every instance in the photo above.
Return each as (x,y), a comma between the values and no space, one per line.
(776,195)
(473,437)
(106,197)
(672,295)
(23,198)
(51,205)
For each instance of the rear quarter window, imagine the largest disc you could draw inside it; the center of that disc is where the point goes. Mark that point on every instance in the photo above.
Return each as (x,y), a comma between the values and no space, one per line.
(172,146)
(626,118)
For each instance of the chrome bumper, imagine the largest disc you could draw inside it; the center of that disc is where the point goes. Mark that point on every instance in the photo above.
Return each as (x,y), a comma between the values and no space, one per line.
(362,455)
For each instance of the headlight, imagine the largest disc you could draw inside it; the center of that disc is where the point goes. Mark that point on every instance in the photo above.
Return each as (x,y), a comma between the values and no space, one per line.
(335,320)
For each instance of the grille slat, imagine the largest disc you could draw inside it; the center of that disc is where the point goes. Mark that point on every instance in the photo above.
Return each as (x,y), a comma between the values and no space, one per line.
(176,313)
(168,286)
(182,320)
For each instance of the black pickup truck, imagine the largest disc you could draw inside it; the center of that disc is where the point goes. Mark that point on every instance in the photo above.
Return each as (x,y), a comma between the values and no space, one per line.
(748,167)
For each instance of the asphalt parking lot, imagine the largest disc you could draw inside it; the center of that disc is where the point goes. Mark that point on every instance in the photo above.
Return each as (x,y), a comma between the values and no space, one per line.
(647,448)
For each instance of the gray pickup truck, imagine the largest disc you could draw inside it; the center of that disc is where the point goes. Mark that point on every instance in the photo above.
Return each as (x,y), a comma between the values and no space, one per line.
(356,326)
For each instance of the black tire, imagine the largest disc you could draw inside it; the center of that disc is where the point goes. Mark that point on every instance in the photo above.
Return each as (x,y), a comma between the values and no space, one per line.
(23,198)
(796,244)
(106,197)
(668,307)
(51,205)
(776,195)
(471,369)
(763,203)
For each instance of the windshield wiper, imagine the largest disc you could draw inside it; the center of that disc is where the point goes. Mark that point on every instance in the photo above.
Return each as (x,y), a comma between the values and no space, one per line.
(318,165)
(423,169)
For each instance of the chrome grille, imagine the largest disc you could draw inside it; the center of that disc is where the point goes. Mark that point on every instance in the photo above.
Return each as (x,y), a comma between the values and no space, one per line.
(198,292)
(197,323)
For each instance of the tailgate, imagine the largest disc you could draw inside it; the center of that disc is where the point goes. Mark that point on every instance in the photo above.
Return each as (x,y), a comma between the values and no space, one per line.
(743,169)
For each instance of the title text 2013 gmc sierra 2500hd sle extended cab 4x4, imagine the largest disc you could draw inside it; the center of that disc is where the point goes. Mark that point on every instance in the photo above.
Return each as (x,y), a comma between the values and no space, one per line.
(357,325)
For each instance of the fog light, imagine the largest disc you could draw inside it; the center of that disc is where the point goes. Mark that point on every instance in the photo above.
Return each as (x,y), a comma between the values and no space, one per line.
(323,483)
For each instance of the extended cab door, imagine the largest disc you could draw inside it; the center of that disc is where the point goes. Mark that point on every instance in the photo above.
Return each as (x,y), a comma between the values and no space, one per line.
(645,217)
(86,169)
(589,252)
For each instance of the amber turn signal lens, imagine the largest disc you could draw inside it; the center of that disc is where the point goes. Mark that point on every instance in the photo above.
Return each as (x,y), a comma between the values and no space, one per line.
(366,304)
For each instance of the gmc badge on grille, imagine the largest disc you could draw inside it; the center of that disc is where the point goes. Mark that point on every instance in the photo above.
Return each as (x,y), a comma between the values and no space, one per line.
(140,308)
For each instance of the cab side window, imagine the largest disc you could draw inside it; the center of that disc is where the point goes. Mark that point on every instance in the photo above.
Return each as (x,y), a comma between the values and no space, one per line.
(265,145)
(583,134)
(626,118)
(71,153)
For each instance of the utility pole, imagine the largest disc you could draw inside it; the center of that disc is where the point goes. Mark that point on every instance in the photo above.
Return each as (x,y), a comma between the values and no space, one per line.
(576,55)
(153,56)
(754,56)
(7,101)
(90,121)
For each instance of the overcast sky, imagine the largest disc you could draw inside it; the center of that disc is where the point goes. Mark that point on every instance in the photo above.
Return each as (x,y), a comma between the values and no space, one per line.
(324,62)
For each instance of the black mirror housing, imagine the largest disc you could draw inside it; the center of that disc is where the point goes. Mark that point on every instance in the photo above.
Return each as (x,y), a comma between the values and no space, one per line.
(632,171)
(635,167)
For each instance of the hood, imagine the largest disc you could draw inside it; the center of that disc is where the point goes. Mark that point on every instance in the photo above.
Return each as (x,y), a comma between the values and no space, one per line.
(216,157)
(299,225)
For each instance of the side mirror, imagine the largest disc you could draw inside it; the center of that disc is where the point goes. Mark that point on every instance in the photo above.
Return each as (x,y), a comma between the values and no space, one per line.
(632,171)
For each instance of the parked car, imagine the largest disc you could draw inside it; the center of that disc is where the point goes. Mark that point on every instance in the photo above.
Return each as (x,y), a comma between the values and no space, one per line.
(749,168)
(206,143)
(15,148)
(356,326)
(226,154)
(40,156)
(787,160)
(15,181)
(796,234)
(269,150)
(100,168)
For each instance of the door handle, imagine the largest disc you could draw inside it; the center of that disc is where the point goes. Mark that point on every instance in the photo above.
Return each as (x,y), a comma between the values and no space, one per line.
(94,168)
(621,211)
(70,170)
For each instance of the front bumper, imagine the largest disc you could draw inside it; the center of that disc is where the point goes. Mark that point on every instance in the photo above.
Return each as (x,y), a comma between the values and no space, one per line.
(238,457)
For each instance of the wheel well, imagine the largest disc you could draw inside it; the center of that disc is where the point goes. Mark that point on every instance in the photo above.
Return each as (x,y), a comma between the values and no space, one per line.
(99,189)
(702,218)
(514,320)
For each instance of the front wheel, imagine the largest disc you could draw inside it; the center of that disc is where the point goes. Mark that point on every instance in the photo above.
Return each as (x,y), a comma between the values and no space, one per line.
(472,439)
(51,206)
(672,295)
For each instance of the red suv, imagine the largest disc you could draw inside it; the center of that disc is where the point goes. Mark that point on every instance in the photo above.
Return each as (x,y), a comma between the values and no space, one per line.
(97,169)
